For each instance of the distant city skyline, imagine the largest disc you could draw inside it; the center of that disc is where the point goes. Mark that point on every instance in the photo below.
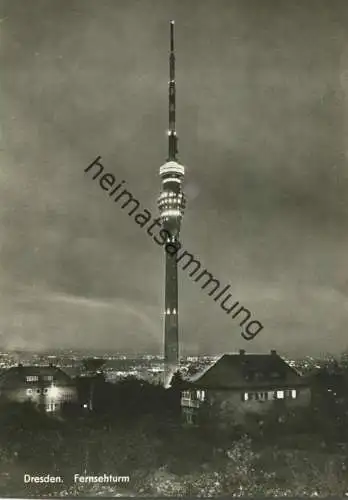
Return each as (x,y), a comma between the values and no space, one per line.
(262,105)
(158,355)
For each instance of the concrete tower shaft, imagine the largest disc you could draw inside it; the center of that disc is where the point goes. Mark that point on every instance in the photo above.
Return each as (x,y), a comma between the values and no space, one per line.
(171,205)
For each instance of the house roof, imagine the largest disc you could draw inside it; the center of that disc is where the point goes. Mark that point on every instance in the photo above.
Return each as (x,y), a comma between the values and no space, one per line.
(233,371)
(16,375)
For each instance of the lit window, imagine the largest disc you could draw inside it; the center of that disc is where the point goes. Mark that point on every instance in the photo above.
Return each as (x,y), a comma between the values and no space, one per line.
(51,407)
(48,377)
(293,393)
(261,396)
(280,394)
(53,391)
(200,395)
(256,396)
(32,378)
(172,179)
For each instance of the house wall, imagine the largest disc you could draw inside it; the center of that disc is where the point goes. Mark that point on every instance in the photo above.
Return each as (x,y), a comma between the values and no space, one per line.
(230,404)
(21,395)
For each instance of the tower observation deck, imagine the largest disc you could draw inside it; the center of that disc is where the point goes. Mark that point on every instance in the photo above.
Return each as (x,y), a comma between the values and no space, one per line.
(171,204)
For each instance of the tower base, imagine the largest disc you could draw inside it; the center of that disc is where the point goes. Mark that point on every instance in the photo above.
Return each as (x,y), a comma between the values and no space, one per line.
(168,373)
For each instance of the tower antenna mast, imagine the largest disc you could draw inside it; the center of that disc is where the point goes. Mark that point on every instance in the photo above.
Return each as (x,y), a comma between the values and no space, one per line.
(172,138)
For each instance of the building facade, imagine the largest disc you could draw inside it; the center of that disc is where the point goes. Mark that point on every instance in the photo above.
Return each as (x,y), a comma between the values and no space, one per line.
(240,384)
(171,204)
(46,386)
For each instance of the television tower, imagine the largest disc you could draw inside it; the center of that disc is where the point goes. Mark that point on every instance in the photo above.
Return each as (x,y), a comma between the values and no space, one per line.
(171,204)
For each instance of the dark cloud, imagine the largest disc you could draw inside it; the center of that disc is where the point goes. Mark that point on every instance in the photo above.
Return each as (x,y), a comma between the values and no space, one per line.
(262,105)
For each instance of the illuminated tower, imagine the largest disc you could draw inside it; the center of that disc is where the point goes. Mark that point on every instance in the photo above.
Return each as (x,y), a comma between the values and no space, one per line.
(171,204)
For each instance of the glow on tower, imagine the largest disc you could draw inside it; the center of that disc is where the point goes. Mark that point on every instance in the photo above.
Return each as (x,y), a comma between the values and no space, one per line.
(171,205)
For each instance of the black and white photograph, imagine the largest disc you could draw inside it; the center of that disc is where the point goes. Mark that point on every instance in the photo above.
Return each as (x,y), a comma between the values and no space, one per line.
(173,251)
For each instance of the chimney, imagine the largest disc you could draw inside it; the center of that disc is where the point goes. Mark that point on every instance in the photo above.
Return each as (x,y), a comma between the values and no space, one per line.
(242,352)
(273,352)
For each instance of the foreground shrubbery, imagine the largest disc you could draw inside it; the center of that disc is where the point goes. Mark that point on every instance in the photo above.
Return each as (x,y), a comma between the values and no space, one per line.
(141,437)
(239,471)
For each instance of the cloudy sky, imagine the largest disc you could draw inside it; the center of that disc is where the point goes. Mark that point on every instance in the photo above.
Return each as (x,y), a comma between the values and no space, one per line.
(262,89)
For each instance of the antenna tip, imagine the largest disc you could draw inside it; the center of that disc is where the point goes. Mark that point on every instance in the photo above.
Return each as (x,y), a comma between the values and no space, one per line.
(172,22)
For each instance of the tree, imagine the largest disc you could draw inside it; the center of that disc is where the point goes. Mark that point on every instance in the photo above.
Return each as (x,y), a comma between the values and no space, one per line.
(177,381)
(93,366)
(93,370)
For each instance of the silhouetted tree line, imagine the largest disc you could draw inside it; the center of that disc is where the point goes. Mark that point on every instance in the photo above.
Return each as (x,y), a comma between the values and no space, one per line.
(127,400)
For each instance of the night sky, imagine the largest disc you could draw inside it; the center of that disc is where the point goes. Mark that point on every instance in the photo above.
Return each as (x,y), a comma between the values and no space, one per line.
(262,103)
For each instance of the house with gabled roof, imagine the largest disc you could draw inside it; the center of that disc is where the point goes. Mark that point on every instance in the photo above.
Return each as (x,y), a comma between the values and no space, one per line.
(45,386)
(240,383)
